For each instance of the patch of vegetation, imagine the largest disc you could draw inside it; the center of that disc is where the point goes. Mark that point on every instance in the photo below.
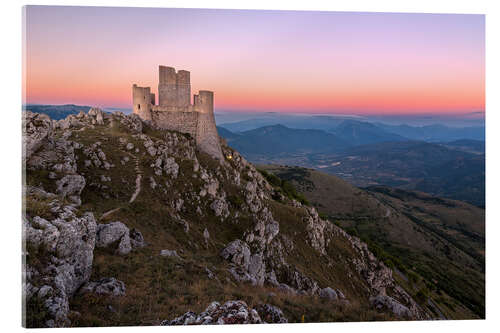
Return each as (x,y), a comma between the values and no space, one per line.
(284,187)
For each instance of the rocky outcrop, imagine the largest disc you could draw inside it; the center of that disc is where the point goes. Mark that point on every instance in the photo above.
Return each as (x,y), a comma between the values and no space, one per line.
(231,312)
(36,131)
(384,302)
(271,314)
(105,286)
(328,293)
(245,266)
(71,186)
(114,233)
(316,230)
(220,208)
(59,259)
(117,235)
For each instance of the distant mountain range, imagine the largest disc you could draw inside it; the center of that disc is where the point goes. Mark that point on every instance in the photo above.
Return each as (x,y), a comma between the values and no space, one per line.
(435,133)
(57,112)
(362,131)
(367,155)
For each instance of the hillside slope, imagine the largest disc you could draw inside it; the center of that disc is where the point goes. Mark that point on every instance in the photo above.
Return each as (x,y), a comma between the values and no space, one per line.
(440,240)
(127,224)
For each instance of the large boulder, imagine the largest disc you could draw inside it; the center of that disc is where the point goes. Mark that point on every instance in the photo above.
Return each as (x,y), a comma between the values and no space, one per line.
(384,302)
(245,266)
(71,186)
(114,233)
(328,293)
(237,252)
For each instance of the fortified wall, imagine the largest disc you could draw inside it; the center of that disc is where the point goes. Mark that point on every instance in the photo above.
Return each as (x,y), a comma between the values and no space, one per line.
(174,110)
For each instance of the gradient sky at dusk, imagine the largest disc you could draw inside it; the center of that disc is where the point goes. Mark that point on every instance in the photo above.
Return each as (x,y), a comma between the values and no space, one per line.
(318,62)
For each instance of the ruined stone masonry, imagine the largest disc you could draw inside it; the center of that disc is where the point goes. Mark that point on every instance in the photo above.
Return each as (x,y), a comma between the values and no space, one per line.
(174,110)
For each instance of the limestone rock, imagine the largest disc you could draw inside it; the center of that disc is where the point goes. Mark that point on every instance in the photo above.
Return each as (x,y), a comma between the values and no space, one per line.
(170,167)
(105,286)
(382,302)
(220,208)
(246,267)
(271,314)
(237,252)
(36,130)
(67,244)
(136,239)
(169,253)
(114,232)
(328,293)
(206,236)
(231,312)
(97,114)
(71,186)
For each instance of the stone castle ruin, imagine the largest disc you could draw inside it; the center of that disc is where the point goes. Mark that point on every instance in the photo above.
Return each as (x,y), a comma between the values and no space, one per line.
(174,110)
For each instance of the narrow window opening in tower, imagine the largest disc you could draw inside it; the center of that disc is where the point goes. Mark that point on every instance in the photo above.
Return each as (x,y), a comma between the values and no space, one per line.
(139,106)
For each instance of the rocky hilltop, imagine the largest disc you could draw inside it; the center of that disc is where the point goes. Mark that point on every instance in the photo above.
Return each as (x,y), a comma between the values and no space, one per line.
(128,224)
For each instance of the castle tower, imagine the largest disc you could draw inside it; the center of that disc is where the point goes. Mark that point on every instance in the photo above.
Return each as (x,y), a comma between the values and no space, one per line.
(183,88)
(174,110)
(142,101)
(204,102)
(167,87)
(174,89)
(206,130)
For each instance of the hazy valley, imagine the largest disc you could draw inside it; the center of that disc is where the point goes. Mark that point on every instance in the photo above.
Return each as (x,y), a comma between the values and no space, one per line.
(365,155)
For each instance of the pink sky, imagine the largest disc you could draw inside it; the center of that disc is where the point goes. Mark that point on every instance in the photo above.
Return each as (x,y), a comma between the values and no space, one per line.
(316,62)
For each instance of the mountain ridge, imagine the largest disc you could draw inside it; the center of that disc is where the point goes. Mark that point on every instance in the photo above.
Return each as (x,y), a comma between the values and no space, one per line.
(441,240)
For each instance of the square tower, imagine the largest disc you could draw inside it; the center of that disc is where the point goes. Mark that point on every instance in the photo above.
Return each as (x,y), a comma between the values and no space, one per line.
(174,88)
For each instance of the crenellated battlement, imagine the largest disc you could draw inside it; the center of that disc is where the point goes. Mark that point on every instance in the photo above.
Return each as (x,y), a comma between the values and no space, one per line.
(174,110)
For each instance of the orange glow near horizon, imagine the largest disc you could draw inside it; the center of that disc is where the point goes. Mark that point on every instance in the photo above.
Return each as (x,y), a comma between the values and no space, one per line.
(289,61)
